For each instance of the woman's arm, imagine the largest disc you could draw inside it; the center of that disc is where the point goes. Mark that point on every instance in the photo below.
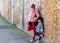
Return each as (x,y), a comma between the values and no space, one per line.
(37,14)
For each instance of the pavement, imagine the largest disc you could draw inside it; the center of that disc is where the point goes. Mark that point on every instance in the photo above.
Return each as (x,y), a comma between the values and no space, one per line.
(8,34)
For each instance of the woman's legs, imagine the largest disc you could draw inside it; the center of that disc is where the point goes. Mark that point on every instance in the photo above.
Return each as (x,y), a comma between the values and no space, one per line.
(34,33)
(34,30)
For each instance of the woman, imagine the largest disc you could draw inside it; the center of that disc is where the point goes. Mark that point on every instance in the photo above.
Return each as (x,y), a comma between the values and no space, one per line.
(32,19)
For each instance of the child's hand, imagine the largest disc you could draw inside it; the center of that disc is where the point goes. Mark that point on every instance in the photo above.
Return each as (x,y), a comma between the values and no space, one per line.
(41,30)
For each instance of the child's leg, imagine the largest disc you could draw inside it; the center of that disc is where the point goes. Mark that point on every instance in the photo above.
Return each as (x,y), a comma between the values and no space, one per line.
(39,37)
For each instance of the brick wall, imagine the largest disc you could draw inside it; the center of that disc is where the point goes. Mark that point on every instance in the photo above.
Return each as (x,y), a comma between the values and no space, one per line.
(57,13)
(9,12)
(18,12)
(47,13)
(1,7)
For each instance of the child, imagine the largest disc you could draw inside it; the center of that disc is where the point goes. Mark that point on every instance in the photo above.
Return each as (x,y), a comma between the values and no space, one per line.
(39,29)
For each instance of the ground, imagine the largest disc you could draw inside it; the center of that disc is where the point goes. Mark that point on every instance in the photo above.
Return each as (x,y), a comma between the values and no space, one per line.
(10,34)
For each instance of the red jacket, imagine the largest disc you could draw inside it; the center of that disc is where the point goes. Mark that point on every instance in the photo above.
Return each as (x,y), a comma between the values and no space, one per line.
(31,27)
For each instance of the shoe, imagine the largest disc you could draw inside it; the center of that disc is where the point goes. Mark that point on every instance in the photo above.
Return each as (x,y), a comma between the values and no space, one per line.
(38,41)
(32,40)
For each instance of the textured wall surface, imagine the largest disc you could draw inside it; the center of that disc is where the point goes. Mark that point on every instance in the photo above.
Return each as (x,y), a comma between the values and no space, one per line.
(57,13)
(7,10)
(1,7)
(18,12)
(48,15)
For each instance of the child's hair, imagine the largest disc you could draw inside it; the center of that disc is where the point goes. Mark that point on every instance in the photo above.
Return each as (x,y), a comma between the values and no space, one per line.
(39,18)
(33,6)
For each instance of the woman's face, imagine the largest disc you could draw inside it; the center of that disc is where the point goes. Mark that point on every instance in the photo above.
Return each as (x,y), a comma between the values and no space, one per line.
(32,9)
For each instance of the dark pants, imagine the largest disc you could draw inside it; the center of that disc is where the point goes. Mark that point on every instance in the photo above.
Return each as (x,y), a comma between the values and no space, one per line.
(35,23)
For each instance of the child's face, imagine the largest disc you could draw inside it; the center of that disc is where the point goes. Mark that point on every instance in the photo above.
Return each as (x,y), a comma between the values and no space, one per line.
(32,9)
(39,20)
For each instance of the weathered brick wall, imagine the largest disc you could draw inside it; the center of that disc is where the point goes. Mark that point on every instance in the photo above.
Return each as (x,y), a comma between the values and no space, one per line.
(51,14)
(48,15)
(2,7)
(57,13)
(9,12)
(5,8)
(18,12)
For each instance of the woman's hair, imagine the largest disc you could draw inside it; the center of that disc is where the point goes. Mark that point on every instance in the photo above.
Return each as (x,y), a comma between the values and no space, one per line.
(33,6)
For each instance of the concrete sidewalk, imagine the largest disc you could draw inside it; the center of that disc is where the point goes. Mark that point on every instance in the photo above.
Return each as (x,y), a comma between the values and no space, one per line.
(11,35)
